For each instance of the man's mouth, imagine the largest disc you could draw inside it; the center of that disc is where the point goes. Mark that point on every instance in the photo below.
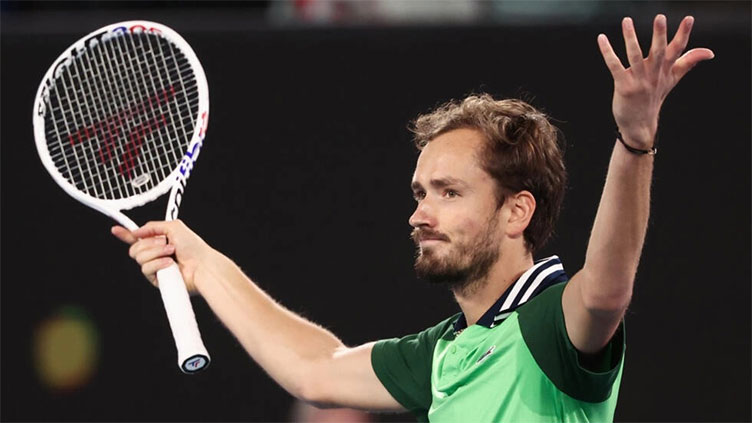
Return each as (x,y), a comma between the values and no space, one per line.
(424,237)
(428,243)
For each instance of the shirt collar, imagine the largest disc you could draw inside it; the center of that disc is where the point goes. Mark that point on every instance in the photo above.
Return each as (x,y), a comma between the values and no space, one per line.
(544,273)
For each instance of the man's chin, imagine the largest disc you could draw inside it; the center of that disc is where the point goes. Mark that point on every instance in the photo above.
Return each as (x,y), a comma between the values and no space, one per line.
(433,270)
(428,259)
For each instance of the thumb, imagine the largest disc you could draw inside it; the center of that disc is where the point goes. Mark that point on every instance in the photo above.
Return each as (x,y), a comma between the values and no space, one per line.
(689,60)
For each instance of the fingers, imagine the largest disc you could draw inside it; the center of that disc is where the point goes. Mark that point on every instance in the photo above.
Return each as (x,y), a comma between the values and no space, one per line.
(152,229)
(691,58)
(152,254)
(679,43)
(612,60)
(123,234)
(634,53)
(658,45)
(150,248)
(150,268)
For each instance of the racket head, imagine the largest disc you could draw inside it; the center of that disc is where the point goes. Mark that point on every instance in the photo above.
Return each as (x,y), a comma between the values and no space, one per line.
(120,117)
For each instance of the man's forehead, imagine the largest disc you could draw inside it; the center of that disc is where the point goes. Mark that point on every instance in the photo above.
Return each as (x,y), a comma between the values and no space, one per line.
(450,156)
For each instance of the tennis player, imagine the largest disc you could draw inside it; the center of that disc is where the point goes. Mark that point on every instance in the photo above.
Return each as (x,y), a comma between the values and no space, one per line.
(529,344)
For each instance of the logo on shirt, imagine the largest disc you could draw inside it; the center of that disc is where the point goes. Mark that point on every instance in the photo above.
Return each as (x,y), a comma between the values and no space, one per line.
(486,354)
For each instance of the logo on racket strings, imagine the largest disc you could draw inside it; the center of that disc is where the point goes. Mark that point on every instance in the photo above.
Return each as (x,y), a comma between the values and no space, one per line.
(119,127)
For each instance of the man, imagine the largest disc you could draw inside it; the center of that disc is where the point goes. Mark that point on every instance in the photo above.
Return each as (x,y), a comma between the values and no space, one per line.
(488,185)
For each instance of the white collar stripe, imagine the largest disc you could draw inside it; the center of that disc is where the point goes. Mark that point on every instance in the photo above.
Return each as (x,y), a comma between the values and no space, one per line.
(535,280)
(543,275)
(521,282)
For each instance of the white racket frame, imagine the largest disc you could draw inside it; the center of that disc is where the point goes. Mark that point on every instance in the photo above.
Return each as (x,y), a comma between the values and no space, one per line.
(192,354)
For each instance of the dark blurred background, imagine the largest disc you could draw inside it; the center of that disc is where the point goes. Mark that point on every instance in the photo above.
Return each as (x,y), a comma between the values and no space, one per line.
(304,182)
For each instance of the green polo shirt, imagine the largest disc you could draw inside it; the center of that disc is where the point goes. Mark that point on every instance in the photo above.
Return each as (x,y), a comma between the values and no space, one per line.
(516,364)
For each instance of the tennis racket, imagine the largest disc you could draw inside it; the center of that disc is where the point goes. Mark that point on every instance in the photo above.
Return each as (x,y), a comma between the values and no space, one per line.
(119,120)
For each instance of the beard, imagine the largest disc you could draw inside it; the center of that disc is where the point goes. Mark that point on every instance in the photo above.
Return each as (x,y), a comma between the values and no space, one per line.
(464,266)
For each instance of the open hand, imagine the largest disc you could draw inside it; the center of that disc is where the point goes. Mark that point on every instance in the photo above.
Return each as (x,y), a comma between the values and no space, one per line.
(640,89)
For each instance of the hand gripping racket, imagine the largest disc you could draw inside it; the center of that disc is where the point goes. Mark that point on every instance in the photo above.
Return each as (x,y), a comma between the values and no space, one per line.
(119,119)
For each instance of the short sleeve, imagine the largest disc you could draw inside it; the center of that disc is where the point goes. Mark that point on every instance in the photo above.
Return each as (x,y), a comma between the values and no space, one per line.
(403,365)
(544,331)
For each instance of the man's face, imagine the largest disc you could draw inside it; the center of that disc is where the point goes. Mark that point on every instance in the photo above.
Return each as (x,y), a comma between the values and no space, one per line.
(457,226)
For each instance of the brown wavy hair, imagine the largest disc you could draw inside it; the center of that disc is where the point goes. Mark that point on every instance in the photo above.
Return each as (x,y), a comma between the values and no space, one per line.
(522,152)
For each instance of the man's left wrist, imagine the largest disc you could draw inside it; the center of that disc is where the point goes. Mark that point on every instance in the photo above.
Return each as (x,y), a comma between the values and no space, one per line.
(639,151)
(641,138)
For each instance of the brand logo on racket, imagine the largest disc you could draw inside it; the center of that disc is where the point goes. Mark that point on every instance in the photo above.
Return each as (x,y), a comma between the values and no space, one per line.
(186,165)
(195,364)
(119,127)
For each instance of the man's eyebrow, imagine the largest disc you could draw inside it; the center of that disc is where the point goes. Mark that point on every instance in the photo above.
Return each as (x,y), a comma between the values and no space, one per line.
(439,183)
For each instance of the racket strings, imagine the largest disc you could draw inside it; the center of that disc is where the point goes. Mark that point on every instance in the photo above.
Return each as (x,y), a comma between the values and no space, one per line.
(121,114)
(75,76)
(115,120)
(139,73)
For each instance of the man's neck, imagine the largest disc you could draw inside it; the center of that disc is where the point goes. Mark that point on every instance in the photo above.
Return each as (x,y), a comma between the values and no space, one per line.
(478,296)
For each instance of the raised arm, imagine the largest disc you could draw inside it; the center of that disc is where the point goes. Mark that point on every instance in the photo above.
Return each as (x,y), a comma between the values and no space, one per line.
(597,296)
(304,358)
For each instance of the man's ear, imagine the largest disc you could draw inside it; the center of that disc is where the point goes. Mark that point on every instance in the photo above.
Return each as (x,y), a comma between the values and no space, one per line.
(521,206)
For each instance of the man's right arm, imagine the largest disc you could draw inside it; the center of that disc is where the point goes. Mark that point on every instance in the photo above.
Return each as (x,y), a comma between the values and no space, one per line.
(305,359)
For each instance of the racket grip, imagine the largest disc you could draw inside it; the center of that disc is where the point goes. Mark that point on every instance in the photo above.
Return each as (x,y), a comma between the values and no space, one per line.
(192,355)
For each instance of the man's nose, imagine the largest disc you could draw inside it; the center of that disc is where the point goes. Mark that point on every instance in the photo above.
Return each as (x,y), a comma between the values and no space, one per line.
(423,215)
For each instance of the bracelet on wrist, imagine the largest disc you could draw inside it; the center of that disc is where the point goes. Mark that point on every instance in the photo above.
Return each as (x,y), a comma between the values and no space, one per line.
(652,152)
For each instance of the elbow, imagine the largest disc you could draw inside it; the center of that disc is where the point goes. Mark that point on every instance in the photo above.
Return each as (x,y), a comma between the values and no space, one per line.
(607,298)
(314,395)
(308,391)
(317,383)
(314,390)
(607,303)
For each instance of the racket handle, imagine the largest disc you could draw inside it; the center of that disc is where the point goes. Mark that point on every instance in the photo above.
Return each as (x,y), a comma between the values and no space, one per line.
(192,355)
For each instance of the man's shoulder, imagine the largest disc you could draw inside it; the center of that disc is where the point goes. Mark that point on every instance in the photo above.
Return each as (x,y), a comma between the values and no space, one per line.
(445,325)
(444,328)
(547,300)
(424,340)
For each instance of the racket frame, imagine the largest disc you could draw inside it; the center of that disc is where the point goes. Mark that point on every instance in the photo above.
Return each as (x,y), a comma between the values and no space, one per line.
(192,355)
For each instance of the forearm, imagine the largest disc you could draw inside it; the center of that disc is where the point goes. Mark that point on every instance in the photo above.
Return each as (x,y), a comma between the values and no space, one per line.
(283,343)
(595,299)
(619,229)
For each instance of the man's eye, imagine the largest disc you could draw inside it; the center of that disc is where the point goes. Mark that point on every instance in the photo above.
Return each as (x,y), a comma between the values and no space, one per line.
(450,193)
(419,195)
